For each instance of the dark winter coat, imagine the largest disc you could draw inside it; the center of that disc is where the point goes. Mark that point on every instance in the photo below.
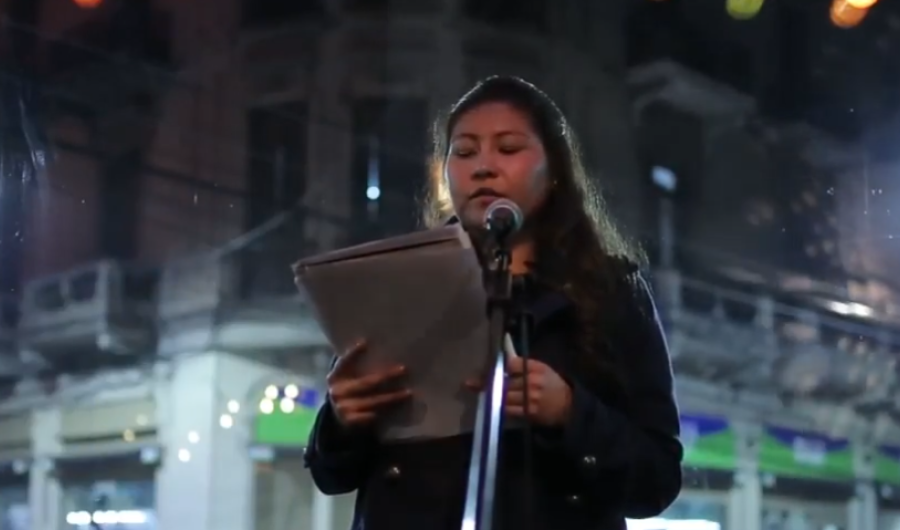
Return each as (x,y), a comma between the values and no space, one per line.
(618,457)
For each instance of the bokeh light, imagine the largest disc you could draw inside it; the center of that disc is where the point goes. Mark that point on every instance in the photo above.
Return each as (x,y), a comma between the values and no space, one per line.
(743,9)
(845,15)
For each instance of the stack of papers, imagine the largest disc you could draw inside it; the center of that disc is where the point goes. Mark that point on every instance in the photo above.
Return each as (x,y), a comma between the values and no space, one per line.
(417,300)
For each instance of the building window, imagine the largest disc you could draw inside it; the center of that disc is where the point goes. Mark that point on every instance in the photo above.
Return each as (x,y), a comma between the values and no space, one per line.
(277,155)
(120,198)
(811,244)
(532,15)
(389,165)
(12,224)
(261,13)
(276,181)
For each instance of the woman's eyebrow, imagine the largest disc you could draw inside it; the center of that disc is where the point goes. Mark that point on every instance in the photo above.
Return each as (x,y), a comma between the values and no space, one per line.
(496,134)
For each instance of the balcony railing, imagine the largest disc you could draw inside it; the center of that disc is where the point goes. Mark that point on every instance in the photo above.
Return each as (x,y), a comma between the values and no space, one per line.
(243,295)
(744,338)
(737,337)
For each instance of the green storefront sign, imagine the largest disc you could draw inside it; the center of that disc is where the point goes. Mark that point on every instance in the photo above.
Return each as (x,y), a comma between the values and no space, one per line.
(708,442)
(789,453)
(887,465)
(287,426)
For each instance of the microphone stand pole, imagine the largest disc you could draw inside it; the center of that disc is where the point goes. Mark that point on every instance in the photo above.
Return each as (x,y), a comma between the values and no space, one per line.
(482,483)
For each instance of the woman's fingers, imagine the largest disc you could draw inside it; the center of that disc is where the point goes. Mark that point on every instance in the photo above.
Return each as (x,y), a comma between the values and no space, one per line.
(357,399)
(515,405)
(365,409)
(514,411)
(343,367)
(355,418)
(367,383)
(380,400)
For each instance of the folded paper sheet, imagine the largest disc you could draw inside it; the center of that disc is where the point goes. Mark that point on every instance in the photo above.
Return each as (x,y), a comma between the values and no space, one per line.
(417,300)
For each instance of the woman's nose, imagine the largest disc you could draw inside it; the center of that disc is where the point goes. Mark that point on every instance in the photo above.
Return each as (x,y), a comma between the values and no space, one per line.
(484,169)
(483,173)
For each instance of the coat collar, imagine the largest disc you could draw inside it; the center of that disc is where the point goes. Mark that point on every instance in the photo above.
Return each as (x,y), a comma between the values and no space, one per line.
(547,305)
(544,303)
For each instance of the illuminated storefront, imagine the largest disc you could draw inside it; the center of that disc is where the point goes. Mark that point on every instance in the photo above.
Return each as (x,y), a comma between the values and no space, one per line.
(808,480)
(709,460)
(284,491)
(14,509)
(117,492)
(15,469)
(107,470)
(886,460)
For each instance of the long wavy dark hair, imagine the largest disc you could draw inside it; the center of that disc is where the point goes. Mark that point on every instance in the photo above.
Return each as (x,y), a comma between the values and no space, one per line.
(579,249)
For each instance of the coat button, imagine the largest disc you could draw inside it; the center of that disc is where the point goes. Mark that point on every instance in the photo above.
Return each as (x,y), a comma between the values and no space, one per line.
(393,472)
(589,461)
(573,499)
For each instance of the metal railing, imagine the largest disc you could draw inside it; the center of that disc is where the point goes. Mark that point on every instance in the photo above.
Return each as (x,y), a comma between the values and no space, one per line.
(758,308)
(744,337)
(256,265)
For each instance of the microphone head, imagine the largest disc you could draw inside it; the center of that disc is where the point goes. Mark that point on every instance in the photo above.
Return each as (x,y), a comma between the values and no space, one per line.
(503,217)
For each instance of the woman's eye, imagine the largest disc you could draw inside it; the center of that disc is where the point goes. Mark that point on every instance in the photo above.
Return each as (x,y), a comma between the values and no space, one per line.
(510,149)
(463,153)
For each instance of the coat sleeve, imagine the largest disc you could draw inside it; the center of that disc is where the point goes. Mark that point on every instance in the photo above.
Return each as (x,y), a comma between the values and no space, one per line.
(630,459)
(339,461)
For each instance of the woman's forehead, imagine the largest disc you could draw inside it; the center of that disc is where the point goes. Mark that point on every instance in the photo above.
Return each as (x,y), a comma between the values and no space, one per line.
(492,118)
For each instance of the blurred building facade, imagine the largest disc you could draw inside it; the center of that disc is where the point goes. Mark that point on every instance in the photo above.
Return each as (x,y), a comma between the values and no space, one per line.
(162,370)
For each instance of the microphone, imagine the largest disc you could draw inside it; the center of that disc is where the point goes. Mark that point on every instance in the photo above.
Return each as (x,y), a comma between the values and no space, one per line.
(502,219)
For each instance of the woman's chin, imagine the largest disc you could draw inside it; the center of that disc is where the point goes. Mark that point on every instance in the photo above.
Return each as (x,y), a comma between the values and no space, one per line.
(473,216)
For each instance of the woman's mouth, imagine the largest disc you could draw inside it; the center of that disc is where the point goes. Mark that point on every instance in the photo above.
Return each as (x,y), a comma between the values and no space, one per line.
(485,200)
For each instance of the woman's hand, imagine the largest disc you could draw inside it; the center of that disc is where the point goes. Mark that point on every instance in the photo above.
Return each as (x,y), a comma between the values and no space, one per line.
(356,400)
(549,396)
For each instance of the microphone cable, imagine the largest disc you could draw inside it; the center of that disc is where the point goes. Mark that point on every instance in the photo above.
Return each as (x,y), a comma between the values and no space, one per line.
(524,321)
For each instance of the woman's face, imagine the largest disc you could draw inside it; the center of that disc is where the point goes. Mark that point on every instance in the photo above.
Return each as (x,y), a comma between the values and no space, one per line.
(495,152)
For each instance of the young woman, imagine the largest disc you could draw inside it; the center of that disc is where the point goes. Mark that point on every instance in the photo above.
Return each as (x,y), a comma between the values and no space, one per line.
(602,443)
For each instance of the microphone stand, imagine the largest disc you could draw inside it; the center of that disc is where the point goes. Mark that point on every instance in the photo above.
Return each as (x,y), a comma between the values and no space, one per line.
(482,482)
